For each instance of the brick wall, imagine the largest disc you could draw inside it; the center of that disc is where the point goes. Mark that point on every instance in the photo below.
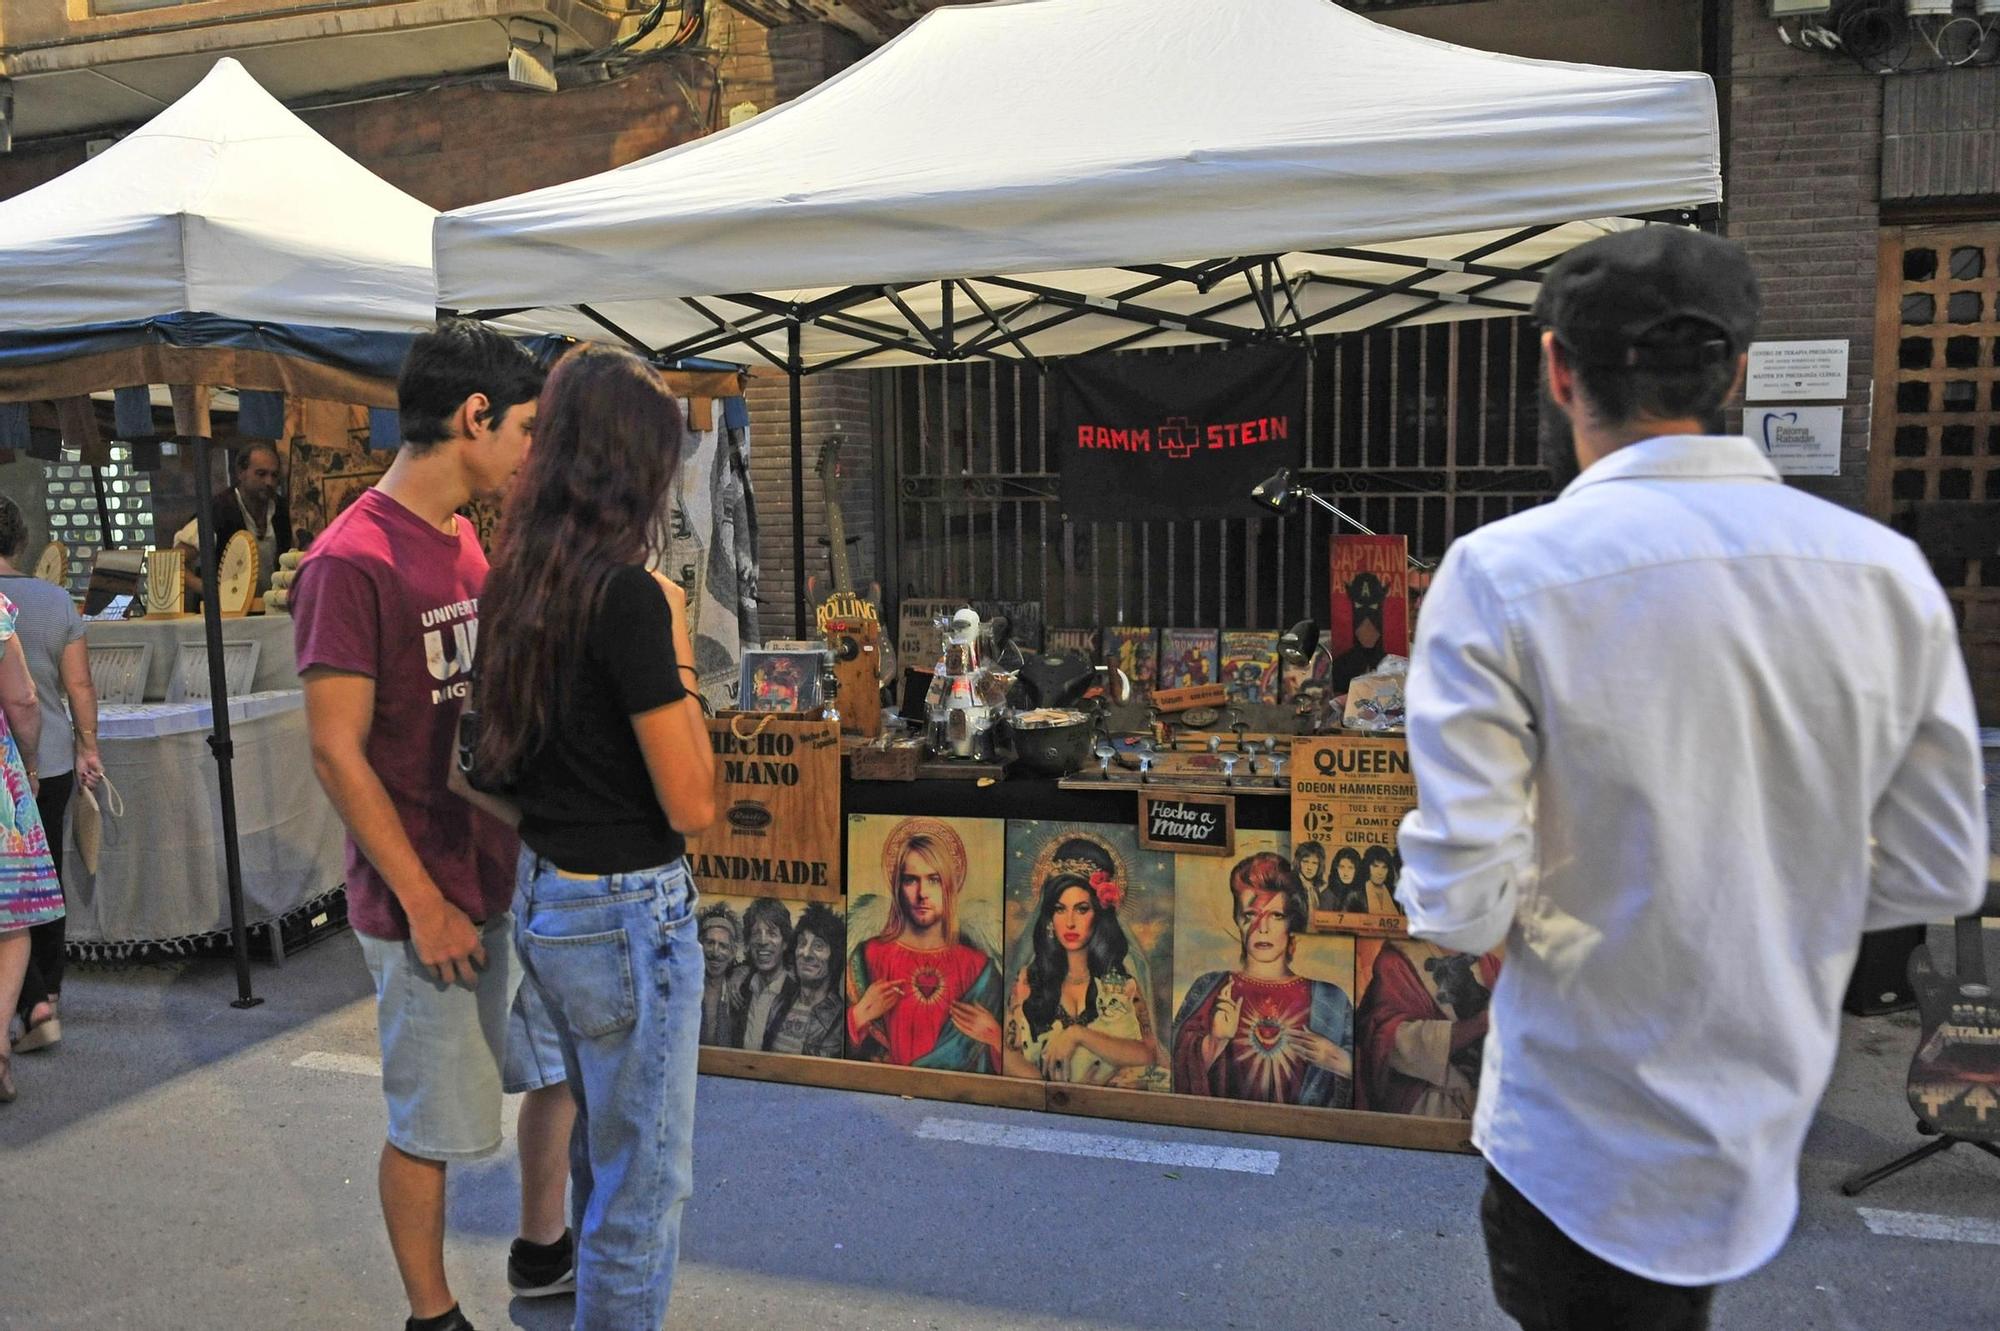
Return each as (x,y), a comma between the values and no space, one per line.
(1801,179)
(805,55)
(841,401)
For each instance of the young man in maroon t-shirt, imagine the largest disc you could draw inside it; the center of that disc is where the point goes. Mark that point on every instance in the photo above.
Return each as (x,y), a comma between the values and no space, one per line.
(386,620)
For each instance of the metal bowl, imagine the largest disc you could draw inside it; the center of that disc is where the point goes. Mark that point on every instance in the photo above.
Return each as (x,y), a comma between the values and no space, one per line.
(1052,747)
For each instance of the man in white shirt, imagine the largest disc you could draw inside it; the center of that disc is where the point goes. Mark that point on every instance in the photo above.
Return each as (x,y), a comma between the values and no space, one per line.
(1679,738)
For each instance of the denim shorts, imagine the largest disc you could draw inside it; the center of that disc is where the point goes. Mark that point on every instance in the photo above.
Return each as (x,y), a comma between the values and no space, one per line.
(449,1051)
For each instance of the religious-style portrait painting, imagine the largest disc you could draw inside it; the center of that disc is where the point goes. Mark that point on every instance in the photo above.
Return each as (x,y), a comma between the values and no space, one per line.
(1420,1028)
(1089,955)
(772,975)
(924,987)
(1263,1010)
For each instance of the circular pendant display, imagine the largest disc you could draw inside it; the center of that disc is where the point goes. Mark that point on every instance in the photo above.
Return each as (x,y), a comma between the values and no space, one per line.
(236,574)
(53,566)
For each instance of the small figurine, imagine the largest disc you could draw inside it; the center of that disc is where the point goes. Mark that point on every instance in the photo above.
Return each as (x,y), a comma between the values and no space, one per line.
(967,697)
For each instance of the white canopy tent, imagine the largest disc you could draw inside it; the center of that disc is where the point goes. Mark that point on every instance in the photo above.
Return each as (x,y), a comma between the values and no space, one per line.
(1039,178)
(222,243)
(1001,163)
(225,203)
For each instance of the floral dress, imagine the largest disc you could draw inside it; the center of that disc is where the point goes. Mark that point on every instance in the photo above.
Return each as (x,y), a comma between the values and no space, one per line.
(30,893)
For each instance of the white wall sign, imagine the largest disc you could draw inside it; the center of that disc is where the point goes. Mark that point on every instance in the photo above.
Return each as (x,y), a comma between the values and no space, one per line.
(1802,441)
(1797,371)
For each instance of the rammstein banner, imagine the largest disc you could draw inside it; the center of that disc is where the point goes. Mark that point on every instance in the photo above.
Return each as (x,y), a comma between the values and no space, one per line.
(1182,435)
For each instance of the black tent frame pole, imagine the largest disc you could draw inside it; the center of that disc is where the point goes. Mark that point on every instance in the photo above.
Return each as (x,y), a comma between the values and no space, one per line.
(219,742)
(793,354)
(103,506)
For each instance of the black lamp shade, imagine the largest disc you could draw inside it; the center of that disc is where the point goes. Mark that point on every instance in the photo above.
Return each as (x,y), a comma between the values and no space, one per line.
(1299,642)
(1276,492)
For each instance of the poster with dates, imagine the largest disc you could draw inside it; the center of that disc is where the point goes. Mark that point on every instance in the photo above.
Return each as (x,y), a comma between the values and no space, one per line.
(1349,795)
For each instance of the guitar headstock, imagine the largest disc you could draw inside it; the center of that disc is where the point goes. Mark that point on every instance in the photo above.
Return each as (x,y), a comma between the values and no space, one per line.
(828,466)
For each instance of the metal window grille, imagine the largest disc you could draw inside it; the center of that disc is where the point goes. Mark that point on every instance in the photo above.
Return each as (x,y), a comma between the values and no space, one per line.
(1427,431)
(75,519)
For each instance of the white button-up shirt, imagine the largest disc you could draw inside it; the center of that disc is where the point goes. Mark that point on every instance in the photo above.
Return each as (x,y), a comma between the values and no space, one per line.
(1679,737)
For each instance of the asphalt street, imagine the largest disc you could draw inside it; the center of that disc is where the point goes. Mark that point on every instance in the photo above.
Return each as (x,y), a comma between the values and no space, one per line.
(177,1163)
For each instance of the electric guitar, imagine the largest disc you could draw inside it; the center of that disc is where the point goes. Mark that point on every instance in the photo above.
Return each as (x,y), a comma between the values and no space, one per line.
(851,624)
(1954,1083)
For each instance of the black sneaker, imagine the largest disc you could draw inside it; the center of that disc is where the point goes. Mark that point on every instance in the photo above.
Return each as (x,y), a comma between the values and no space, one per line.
(451,1321)
(538,1270)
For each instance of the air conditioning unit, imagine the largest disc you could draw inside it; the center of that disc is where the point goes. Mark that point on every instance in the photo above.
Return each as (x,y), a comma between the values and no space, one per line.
(531,64)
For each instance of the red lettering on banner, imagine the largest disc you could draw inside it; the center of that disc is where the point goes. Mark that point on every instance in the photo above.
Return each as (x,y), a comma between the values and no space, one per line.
(1281,427)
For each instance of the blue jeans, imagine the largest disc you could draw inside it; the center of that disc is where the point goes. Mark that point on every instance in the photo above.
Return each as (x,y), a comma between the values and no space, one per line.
(616,960)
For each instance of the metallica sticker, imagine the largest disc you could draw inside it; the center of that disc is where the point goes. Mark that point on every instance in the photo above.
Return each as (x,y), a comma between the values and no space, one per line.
(1181,435)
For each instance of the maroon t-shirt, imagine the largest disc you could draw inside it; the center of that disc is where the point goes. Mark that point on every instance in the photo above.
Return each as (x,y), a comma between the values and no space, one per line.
(385,594)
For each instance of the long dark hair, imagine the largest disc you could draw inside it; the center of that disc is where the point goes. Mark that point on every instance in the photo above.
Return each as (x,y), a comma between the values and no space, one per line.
(1105,952)
(1350,856)
(608,438)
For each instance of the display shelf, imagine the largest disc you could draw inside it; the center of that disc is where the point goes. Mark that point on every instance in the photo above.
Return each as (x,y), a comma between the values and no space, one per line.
(1357,1126)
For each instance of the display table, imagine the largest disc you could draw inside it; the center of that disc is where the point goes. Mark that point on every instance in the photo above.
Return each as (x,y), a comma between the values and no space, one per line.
(277,668)
(1032,797)
(161,871)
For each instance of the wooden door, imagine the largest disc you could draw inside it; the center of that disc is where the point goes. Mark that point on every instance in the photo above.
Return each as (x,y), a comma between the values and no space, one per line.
(1936,438)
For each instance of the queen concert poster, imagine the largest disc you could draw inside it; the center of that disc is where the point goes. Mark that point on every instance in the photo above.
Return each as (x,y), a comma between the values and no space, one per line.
(1349,795)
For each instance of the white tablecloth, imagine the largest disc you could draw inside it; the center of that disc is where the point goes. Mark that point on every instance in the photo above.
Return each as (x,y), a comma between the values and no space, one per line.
(161,873)
(277,667)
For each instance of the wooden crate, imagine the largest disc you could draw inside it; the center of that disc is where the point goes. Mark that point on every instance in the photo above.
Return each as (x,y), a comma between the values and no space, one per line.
(777,827)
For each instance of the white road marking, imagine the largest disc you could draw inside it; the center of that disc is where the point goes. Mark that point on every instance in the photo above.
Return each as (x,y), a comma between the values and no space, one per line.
(357,1064)
(1236,1159)
(1920,1225)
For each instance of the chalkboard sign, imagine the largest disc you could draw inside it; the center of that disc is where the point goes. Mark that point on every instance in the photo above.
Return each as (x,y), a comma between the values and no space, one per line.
(1197,824)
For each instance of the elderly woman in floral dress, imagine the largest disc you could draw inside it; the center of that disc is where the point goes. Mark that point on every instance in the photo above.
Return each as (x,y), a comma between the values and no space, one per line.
(30,893)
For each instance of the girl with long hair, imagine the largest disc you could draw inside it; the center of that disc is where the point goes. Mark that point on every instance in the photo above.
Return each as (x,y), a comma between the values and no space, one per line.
(1077,1014)
(587,722)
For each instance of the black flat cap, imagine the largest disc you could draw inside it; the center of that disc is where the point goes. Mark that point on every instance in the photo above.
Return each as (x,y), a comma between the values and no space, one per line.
(1611,301)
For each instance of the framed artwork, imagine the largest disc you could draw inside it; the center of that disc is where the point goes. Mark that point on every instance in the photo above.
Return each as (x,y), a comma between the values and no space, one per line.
(1349,795)
(1188,656)
(1263,1011)
(779,681)
(1136,651)
(1089,955)
(772,975)
(1250,664)
(1370,609)
(1072,642)
(1420,1026)
(924,987)
(322,482)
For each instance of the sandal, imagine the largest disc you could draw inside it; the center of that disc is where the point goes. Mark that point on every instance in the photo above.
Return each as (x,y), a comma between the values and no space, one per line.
(7,1092)
(40,1034)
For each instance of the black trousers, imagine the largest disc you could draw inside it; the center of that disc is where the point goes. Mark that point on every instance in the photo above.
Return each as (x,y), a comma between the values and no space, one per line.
(45,941)
(1545,1281)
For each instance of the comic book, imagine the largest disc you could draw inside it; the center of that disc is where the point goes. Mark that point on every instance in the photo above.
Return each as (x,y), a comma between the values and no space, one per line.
(1370,613)
(1188,656)
(1134,650)
(1072,642)
(1250,664)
